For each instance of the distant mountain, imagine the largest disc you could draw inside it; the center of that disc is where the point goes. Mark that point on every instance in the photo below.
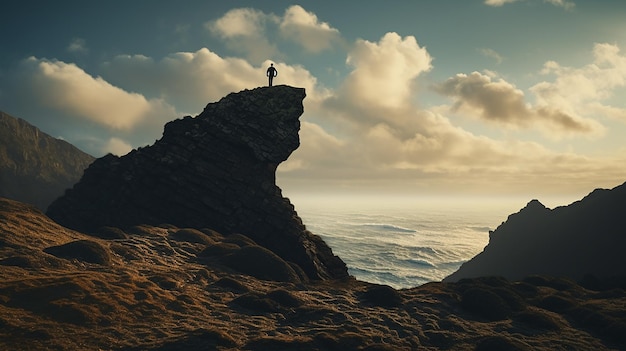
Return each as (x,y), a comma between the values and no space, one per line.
(35,167)
(587,237)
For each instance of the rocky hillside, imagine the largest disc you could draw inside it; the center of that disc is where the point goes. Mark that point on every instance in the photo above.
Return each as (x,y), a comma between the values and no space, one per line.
(167,288)
(35,167)
(216,170)
(586,238)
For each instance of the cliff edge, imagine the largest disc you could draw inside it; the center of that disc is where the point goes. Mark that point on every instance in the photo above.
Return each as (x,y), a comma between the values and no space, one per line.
(215,170)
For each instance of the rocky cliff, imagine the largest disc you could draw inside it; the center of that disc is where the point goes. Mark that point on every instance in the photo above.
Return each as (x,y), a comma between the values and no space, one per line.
(35,167)
(585,238)
(215,170)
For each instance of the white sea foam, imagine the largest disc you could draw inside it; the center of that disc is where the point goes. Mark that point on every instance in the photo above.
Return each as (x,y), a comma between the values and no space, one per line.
(403,246)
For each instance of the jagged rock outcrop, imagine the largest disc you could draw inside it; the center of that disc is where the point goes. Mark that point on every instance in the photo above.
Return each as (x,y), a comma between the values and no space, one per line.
(217,171)
(35,167)
(585,238)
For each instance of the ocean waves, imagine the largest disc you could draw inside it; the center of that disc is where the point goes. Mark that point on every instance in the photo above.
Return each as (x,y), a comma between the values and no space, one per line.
(401,247)
(387,227)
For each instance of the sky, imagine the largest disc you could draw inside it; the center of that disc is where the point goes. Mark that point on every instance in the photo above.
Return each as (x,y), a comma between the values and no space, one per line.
(428,98)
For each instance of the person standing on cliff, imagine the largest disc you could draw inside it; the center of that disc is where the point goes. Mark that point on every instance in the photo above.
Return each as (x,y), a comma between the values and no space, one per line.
(271,73)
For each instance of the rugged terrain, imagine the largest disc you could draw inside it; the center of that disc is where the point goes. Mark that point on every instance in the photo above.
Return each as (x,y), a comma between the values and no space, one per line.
(35,167)
(167,288)
(585,238)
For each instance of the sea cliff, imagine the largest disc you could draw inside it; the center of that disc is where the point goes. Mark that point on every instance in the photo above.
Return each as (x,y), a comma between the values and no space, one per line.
(216,170)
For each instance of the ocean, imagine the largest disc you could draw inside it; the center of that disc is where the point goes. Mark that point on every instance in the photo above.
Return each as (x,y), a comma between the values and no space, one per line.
(404,243)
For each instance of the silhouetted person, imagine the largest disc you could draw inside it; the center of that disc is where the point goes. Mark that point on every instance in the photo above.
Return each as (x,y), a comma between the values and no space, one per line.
(271,73)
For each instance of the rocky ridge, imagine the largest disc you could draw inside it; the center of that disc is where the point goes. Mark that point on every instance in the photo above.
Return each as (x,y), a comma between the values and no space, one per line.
(35,167)
(583,240)
(215,170)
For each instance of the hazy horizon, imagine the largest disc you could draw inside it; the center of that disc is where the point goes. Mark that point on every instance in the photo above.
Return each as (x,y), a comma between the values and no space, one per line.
(510,100)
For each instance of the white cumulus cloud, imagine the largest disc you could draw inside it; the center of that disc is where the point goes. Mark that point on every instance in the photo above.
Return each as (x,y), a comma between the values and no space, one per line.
(62,86)
(251,32)
(383,73)
(239,23)
(586,89)
(304,28)
(63,100)
(244,30)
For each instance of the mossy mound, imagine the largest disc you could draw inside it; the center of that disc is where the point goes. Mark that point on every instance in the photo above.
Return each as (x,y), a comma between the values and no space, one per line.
(261,263)
(82,250)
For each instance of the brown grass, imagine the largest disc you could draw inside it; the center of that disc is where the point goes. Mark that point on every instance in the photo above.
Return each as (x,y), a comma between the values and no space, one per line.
(156,294)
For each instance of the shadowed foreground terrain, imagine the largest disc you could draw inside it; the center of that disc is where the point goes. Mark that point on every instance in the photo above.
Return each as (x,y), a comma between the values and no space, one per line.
(167,288)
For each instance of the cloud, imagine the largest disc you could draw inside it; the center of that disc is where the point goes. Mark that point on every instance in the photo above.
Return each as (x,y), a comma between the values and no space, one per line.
(78,45)
(243,30)
(365,138)
(586,89)
(239,23)
(492,54)
(367,134)
(62,86)
(498,2)
(117,147)
(251,32)
(316,145)
(65,101)
(502,103)
(383,75)
(304,28)
(568,5)
(189,80)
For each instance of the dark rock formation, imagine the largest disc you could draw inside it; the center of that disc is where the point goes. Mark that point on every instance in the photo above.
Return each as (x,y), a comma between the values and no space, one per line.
(35,167)
(587,237)
(217,171)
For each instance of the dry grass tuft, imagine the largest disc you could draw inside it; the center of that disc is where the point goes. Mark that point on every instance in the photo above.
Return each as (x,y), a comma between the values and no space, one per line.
(82,250)
(383,296)
(261,263)
(192,236)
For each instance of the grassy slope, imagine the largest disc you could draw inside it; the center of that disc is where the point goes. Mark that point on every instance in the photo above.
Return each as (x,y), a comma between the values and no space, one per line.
(167,289)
